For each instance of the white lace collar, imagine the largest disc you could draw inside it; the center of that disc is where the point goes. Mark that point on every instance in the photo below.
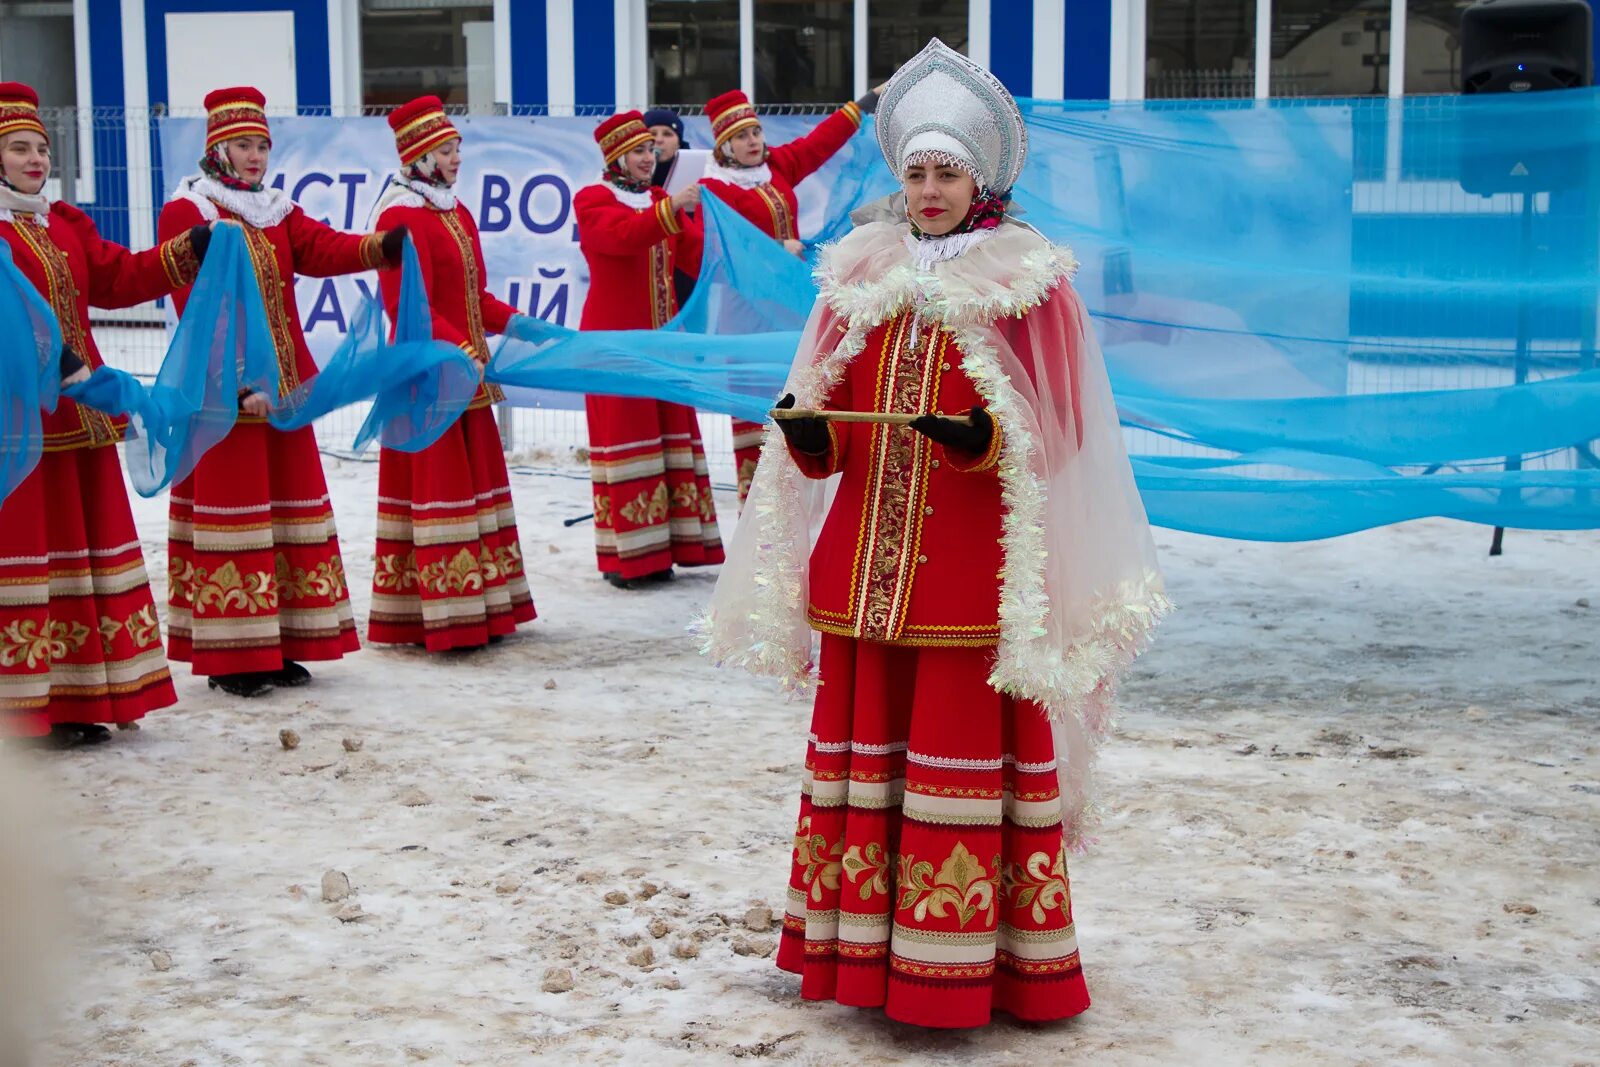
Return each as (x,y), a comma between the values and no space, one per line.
(13,202)
(930,250)
(408,192)
(261,210)
(637,201)
(743,177)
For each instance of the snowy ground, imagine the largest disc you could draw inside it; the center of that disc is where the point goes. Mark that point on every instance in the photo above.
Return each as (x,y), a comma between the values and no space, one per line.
(1358,822)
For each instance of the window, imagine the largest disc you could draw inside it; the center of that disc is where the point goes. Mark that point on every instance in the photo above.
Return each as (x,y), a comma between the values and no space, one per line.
(412,48)
(694,50)
(1323,48)
(1433,46)
(1200,48)
(804,51)
(896,31)
(36,48)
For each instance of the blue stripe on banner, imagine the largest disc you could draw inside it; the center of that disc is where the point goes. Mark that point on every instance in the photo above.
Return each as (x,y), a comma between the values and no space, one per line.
(312,69)
(109,209)
(1011,45)
(1088,50)
(594,33)
(530,65)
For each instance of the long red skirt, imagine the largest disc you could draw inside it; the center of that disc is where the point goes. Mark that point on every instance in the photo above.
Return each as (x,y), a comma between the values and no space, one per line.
(747,439)
(929,873)
(449,565)
(652,492)
(254,572)
(79,637)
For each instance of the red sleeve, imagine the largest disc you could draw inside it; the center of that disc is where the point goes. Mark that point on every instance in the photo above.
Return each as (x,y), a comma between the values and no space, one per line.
(691,244)
(608,226)
(119,278)
(496,312)
(320,251)
(389,280)
(178,217)
(800,158)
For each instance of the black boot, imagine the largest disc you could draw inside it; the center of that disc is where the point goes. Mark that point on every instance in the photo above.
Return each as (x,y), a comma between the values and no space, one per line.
(253,684)
(89,733)
(62,736)
(290,676)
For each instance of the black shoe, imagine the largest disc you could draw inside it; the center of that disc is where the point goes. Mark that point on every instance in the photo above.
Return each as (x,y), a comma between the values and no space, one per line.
(495,639)
(290,676)
(661,576)
(89,733)
(254,684)
(62,736)
(619,582)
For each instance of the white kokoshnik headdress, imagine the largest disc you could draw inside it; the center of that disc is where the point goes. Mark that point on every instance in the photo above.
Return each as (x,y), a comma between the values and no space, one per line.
(941,107)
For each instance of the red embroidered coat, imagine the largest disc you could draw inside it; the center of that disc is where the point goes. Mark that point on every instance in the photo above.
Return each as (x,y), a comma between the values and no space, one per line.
(772,206)
(75,268)
(297,245)
(451,257)
(632,253)
(910,551)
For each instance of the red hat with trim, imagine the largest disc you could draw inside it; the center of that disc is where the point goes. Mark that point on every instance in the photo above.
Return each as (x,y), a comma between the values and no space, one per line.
(730,113)
(419,127)
(237,112)
(19,110)
(621,134)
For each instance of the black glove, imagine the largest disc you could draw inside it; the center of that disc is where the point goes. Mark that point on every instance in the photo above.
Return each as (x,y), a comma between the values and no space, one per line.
(869,103)
(393,241)
(974,438)
(200,240)
(71,363)
(807,435)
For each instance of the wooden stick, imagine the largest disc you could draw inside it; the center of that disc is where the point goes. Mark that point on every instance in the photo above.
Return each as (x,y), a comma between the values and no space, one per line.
(886,418)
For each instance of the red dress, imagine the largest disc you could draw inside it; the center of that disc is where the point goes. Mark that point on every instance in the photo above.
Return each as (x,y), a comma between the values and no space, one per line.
(449,563)
(929,873)
(652,491)
(254,572)
(773,208)
(79,637)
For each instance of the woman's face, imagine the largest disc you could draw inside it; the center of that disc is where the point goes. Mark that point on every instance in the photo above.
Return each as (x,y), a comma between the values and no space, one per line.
(938,198)
(25,160)
(640,162)
(666,142)
(248,157)
(748,146)
(447,160)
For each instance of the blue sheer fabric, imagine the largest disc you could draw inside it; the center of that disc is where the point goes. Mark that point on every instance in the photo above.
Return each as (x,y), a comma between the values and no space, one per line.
(1317,317)
(30,374)
(727,350)
(222,348)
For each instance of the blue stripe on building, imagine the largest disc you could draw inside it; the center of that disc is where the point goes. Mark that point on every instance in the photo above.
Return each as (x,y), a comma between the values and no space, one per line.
(1088,50)
(109,210)
(1011,45)
(594,36)
(530,62)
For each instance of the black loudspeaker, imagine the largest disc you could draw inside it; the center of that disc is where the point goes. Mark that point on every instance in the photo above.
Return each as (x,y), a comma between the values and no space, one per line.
(1519,46)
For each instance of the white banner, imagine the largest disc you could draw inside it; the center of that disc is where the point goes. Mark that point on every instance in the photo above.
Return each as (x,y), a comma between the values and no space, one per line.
(517,179)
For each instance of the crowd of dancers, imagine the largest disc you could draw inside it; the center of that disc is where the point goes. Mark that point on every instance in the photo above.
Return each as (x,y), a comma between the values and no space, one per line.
(982,575)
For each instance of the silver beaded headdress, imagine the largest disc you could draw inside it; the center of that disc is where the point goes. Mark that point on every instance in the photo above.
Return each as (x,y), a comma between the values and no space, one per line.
(941,107)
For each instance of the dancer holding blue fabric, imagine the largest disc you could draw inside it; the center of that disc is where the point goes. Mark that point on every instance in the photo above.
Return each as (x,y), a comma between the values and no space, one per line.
(256,581)
(80,643)
(449,571)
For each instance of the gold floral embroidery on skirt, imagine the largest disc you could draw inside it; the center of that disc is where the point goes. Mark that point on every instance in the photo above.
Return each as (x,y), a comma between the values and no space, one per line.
(29,643)
(1039,884)
(325,580)
(962,883)
(647,509)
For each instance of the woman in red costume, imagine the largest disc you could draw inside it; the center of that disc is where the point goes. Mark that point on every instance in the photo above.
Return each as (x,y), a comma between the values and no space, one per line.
(80,644)
(256,582)
(758,182)
(449,564)
(652,494)
(982,576)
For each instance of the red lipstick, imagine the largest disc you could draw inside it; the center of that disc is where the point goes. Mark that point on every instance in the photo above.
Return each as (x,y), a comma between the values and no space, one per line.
(932,212)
